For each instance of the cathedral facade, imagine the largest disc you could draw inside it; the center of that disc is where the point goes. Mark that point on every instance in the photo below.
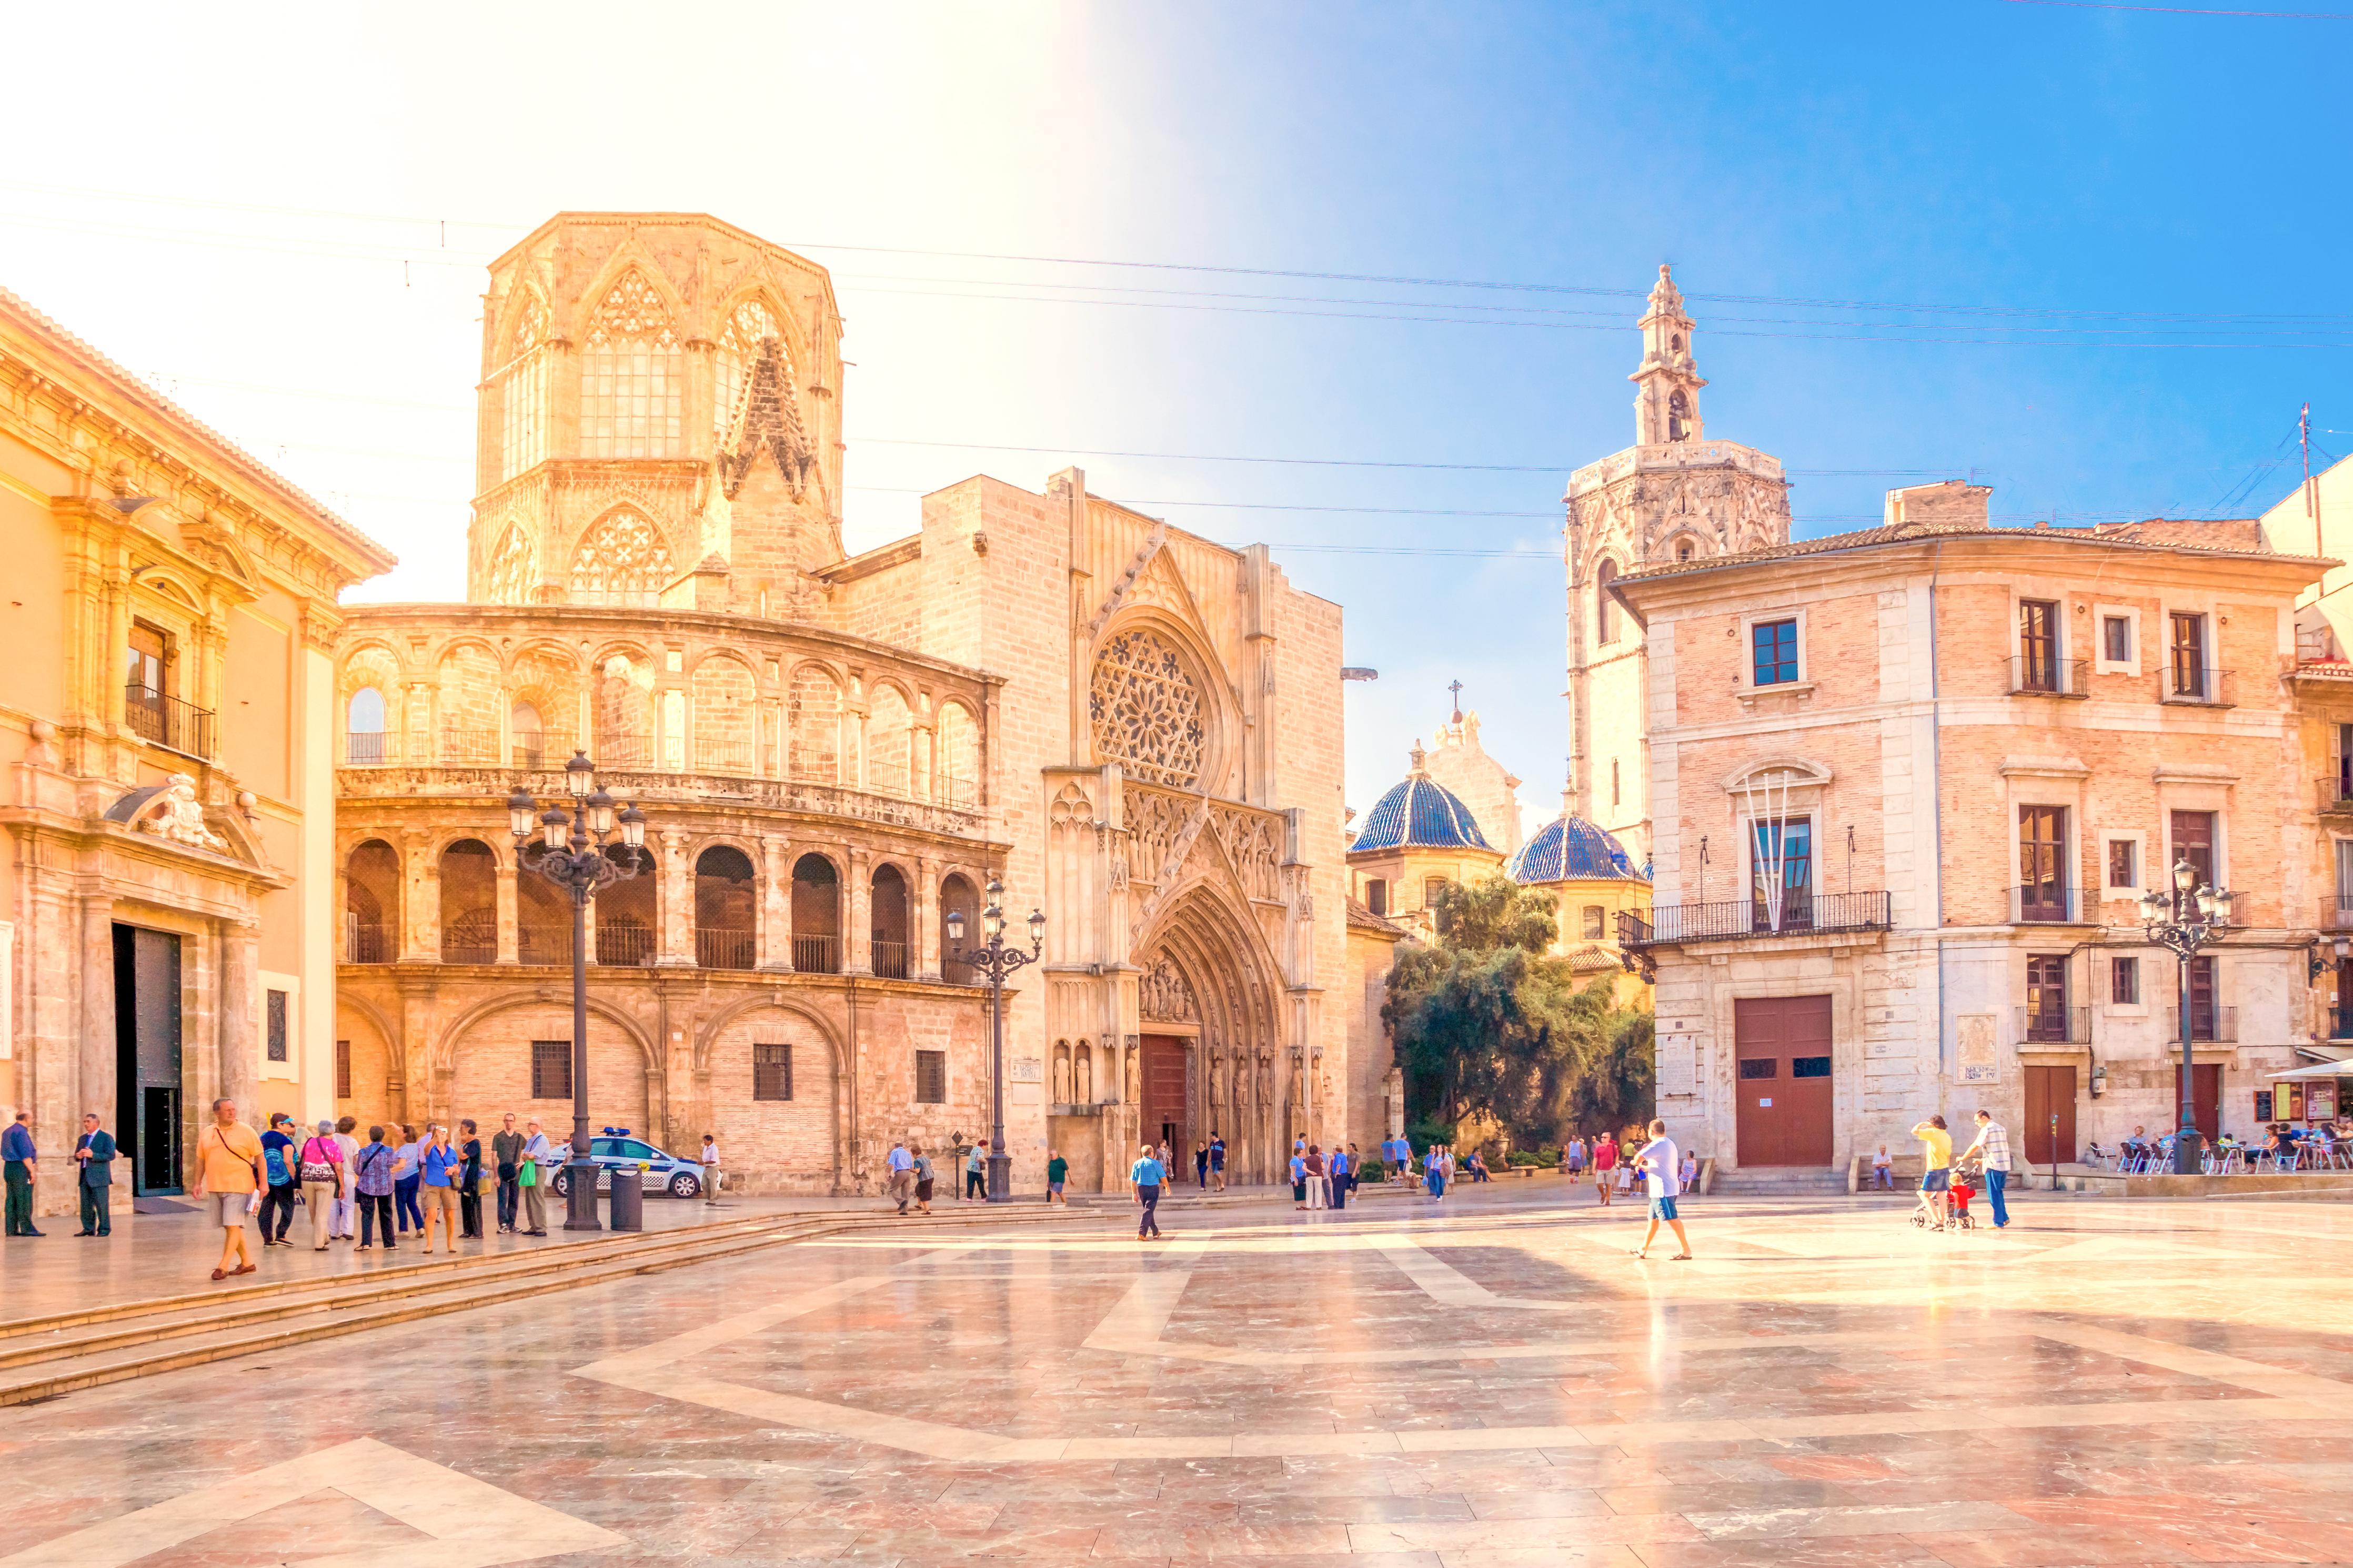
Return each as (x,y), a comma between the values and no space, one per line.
(1673,496)
(1136,730)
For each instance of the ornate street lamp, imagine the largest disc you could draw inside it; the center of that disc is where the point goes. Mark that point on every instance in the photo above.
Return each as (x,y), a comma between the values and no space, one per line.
(575,855)
(996,960)
(2181,919)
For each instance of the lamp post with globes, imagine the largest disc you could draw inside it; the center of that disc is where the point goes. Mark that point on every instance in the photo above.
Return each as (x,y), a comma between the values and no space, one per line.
(2181,919)
(996,960)
(582,849)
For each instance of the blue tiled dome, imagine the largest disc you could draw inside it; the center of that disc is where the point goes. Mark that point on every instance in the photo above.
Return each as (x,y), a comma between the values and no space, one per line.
(1419,814)
(1570,847)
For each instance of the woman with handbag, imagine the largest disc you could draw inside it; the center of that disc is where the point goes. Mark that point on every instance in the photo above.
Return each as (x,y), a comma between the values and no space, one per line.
(322,1182)
(530,1182)
(372,1174)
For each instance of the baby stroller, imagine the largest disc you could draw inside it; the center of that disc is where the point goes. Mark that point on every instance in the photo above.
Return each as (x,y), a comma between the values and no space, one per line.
(1962,1190)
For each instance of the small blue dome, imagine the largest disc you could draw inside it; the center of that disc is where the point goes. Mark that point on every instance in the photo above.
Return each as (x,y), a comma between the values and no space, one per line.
(1419,814)
(1567,847)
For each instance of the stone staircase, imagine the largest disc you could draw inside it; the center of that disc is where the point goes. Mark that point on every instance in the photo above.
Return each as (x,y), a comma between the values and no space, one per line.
(1780,1181)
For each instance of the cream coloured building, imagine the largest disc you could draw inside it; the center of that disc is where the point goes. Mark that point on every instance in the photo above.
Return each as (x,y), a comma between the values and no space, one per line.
(167,702)
(1138,730)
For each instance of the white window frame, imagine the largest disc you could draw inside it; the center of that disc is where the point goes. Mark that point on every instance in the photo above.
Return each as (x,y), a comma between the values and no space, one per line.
(290,1069)
(2101,663)
(1748,667)
(2138,839)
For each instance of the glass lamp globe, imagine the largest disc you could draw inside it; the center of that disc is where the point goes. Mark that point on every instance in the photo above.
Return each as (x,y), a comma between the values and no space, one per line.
(955,926)
(523,813)
(557,827)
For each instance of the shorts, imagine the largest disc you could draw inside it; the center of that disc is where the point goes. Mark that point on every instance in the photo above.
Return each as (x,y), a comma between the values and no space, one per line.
(1663,1208)
(1053,1186)
(229,1209)
(1937,1180)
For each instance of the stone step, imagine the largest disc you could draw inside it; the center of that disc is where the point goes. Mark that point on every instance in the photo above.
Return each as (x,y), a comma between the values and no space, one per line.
(1779,1180)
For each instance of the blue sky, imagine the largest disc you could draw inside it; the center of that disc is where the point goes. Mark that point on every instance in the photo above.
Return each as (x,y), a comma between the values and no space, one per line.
(2081,192)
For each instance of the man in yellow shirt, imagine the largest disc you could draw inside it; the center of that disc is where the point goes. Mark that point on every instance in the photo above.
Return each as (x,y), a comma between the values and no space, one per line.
(228,1174)
(1936,1166)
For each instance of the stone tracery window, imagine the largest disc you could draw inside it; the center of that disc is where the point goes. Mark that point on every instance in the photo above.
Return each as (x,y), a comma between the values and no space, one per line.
(514,569)
(632,381)
(1147,711)
(621,561)
(739,346)
(521,385)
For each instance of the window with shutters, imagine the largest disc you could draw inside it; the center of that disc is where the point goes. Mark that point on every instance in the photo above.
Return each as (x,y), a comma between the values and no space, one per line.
(1592,919)
(2124,982)
(550,1069)
(931,1078)
(2038,645)
(276,1007)
(2189,654)
(771,1072)
(2345,876)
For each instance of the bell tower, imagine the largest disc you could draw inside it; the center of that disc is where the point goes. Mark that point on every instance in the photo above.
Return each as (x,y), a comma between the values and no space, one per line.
(1666,405)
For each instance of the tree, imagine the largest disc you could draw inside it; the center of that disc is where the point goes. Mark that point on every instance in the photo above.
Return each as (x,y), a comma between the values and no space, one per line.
(1487,1022)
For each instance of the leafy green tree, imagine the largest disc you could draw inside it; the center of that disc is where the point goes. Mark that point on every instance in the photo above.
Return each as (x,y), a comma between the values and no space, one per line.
(1487,1022)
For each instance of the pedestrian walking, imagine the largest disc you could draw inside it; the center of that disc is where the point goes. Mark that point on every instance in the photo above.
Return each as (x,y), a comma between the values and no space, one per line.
(228,1184)
(372,1185)
(1433,1173)
(1167,1165)
(1058,1171)
(1216,1163)
(1319,1189)
(1572,1159)
(469,1180)
(282,1182)
(1605,1167)
(440,1165)
(23,1170)
(346,1207)
(530,1179)
(1936,1166)
(902,1176)
(506,1159)
(1882,1170)
(1147,1174)
(924,1177)
(1201,1165)
(1337,1176)
(711,1173)
(405,1176)
(1298,1178)
(321,1169)
(976,1173)
(1992,1150)
(1662,1166)
(95,1151)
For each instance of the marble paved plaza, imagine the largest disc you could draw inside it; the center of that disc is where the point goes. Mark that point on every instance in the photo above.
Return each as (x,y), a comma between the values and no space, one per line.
(1495,1383)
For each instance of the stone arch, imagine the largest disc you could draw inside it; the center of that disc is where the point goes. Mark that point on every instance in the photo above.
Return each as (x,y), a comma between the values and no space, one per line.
(621,712)
(955,769)
(1608,618)
(1209,935)
(726,907)
(622,559)
(813,710)
(891,910)
(890,739)
(1158,703)
(625,1073)
(511,575)
(469,878)
(819,916)
(472,682)
(378,1063)
(959,894)
(726,715)
(372,879)
(768,1142)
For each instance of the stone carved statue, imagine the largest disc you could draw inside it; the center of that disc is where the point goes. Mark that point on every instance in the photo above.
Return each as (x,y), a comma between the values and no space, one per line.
(1062,1072)
(1134,1081)
(1217,1081)
(178,815)
(1083,1076)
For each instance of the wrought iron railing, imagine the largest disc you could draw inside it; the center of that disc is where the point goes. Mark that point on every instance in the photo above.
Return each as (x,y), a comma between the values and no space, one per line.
(2031,676)
(816,954)
(624,945)
(471,939)
(167,721)
(2055,1026)
(720,947)
(366,944)
(956,971)
(888,958)
(2220,1025)
(950,790)
(635,752)
(2198,686)
(546,942)
(366,751)
(1738,919)
(722,756)
(538,752)
(465,748)
(2045,903)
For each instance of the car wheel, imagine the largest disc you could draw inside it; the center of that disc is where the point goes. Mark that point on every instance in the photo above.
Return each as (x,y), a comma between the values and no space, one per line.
(684,1186)
(561,1184)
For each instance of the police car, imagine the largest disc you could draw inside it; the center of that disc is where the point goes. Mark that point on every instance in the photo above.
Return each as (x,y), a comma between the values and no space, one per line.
(618,1149)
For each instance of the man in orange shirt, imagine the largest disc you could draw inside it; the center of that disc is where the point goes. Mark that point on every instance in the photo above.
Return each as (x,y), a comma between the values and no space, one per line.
(228,1177)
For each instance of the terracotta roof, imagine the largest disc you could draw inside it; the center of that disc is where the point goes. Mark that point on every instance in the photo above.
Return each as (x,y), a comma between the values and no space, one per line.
(1360,918)
(2234,536)
(1592,956)
(138,387)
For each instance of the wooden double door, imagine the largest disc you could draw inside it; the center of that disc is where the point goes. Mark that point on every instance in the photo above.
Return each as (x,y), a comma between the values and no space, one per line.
(2049,1136)
(1782,1083)
(1167,1096)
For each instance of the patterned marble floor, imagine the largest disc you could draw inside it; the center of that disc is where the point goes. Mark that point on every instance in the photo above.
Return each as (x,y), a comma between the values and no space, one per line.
(1495,1383)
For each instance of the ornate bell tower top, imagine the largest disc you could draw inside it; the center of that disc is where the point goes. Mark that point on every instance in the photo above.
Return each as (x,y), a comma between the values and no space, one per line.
(1666,406)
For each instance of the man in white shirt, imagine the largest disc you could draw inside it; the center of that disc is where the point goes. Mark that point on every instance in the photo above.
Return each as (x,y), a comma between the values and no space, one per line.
(710,1169)
(1658,1163)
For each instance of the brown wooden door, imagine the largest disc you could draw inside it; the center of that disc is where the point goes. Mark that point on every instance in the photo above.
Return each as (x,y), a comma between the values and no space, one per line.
(2050,1092)
(1164,1095)
(1782,1083)
(2207,1097)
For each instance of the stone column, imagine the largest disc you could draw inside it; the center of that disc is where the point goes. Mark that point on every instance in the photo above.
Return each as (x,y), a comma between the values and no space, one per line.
(923,912)
(413,1055)
(419,937)
(237,996)
(94,1079)
(858,916)
(775,904)
(510,943)
(677,923)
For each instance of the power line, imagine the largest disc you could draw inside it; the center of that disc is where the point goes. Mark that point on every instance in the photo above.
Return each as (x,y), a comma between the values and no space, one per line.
(2192,10)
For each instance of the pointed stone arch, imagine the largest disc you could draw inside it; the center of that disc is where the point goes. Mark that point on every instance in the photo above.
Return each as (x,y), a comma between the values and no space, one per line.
(1241,1078)
(622,559)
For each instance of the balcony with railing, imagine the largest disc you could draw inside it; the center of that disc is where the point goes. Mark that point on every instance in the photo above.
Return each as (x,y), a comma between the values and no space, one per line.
(2218,1025)
(542,942)
(2035,675)
(634,753)
(816,954)
(2054,1025)
(362,750)
(2194,685)
(2046,903)
(956,971)
(624,946)
(2336,912)
(471,939)
(2339,1021)
(1743,920)
(167,721)
(366,944)
(723,756)
(537,753)
(949,790)
(722,947)
(888,958)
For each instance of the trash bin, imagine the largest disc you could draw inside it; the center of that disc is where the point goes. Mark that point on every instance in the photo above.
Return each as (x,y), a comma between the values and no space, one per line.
(628,1199)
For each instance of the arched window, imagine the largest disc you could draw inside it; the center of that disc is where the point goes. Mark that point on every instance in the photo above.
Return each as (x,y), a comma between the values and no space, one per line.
(514,569)
(957,740)
(521,385)
(888,737)
(1146,713)
(1683,551)
(632,386)
(888,906)
(621,561)
(470,904)
(1678,417)
(528,735)
(726,717)
(1605,608)
(372,904)
(957,897)
(813,714)
(739,346)
(1676,343)
(725,899)
(363,728)
(628,914)
(817,916)
(624,714)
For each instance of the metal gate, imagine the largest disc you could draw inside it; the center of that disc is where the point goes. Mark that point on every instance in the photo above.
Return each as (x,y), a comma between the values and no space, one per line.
(1782,1090)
